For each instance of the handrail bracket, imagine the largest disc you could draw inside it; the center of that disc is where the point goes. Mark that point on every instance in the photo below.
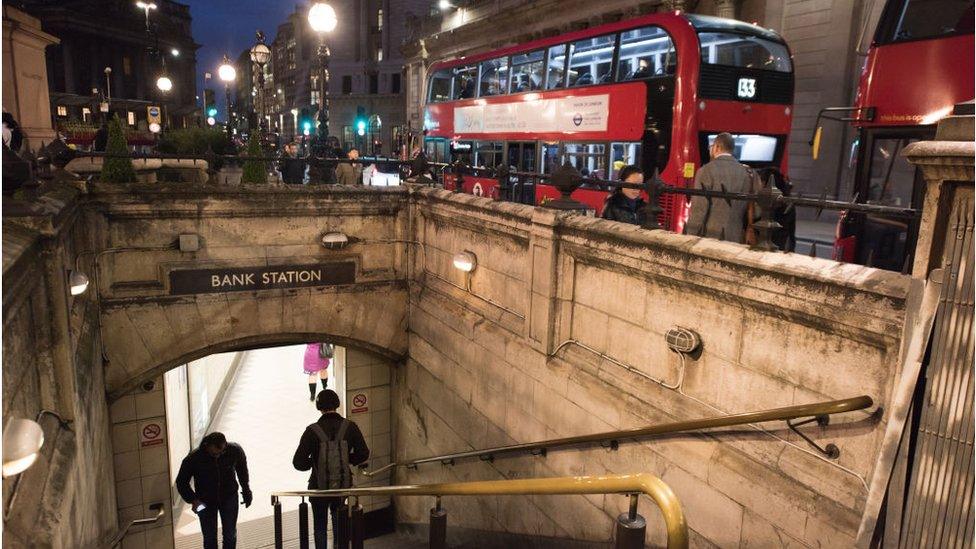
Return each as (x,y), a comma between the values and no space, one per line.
(830,450)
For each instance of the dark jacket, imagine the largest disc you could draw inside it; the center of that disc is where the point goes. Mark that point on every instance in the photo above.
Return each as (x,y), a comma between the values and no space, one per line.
(307,453)
(293,170)
(214,479)
(620,208)
(101,140)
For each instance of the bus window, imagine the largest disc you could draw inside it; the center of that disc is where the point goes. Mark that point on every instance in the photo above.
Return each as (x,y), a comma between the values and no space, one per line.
(550,157)
(920,19)
(741,50)
(892,179)
(591,61)
(623,154)
(464,81)
(556,72)
(588,158)
(645,52)
(494,77)
(487,154)
(527,71)
(440,86)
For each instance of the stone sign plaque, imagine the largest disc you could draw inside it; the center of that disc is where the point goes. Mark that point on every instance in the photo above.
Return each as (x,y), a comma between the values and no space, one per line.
(268,277)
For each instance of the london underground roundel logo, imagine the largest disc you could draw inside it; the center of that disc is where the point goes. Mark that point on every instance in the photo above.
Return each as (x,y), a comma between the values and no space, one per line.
(578,119)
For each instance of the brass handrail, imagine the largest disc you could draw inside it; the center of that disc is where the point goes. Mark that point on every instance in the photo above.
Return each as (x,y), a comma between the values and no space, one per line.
(776,414)
(644,483)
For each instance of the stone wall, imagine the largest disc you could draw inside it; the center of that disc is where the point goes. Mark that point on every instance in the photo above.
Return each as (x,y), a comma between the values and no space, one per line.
(559,331)
(52,360)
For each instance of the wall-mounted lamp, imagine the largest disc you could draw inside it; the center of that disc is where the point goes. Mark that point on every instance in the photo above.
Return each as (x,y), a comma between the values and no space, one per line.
(78,281)
(335,240)
(444,5)
(465,261)
(22,440)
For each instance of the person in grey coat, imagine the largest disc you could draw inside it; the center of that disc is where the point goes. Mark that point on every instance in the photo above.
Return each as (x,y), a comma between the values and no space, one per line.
(726,220)
(350,173)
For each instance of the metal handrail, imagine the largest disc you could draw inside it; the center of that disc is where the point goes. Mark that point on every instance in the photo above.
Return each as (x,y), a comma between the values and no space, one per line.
(117,539)
(613,437)
(640,483)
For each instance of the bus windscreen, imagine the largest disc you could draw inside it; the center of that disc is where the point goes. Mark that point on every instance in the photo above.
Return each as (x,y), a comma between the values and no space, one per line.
(751,147)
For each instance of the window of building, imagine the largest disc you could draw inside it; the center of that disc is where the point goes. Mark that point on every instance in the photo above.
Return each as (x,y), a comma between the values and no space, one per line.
(556,72)
(527,72)
(346,85)
(62,110)
(440,86)
(395,83)
(623,154)
(127,65)
(374,83)
(591,61)
(85,114)
(131,118)
(313,97)
(494,77)
(465,81)
(379,54)
(645,52)
(379,19)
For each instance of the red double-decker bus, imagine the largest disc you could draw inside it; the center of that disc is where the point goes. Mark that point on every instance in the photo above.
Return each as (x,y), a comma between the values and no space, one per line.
(919,65)
(650,91)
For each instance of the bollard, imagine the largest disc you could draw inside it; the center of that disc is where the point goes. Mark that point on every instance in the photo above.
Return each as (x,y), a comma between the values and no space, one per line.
(278,540)
(303,524)
(438,527)
(358,525)
(341,530)
(631,528)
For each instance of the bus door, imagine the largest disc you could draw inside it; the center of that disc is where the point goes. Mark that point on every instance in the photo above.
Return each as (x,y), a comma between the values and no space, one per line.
(883,176)
(522,157)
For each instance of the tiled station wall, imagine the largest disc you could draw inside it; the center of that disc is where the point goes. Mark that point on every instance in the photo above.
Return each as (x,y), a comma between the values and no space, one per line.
(367,403)
(494,360)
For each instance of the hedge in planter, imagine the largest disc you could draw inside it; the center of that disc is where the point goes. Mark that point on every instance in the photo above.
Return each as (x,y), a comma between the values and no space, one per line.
(117,170)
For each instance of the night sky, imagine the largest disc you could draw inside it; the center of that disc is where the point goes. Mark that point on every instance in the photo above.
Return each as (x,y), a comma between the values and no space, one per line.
(227,26)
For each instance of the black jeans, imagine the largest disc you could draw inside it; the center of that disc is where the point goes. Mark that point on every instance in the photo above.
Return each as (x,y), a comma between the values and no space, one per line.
(228,519)
(319,521)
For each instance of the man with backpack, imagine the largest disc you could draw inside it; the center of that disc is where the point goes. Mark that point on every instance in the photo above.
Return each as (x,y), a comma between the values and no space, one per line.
(329,447)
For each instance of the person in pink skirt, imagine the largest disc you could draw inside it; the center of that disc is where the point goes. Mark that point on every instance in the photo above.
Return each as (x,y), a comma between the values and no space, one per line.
(318,356)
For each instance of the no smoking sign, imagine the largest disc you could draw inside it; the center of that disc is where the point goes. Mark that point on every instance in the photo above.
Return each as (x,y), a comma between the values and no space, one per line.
(360,403)
(151,434)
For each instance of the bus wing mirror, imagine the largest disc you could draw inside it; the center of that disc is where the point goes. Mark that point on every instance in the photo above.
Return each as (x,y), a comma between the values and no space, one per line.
(816,142)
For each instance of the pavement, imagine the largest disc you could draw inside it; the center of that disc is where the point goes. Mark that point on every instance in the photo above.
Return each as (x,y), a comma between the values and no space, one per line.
(265,411)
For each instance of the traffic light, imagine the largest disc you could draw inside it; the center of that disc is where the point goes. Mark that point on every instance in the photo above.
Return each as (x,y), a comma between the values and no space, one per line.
(209,103)
(361,121)
(305,122)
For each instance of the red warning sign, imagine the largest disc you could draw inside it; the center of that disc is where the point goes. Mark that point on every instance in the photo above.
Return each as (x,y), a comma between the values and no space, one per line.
(359,403)
(151,434)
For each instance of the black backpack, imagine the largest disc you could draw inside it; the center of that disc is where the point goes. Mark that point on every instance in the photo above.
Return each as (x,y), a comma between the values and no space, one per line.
(332,467)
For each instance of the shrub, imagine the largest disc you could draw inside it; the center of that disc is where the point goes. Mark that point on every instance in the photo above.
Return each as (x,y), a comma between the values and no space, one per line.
(117,170)
(255,171)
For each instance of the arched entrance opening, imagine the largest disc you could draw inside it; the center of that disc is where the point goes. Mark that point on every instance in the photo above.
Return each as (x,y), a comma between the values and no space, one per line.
(256,392)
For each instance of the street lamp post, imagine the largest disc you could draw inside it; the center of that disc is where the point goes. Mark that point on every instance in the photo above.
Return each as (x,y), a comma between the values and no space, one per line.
(227,74)
(147,7)
(260,55)
(322,18)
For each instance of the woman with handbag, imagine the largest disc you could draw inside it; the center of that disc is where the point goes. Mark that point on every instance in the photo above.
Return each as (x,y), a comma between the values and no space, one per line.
(318,356)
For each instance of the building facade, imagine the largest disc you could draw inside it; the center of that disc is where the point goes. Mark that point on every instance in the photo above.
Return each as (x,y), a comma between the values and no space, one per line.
(824,38)
(112,52)
(365,73)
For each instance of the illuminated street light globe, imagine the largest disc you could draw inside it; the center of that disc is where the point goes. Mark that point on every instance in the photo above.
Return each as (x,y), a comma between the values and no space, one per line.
(260,54)
(322,17)
(226,71)
(164,83)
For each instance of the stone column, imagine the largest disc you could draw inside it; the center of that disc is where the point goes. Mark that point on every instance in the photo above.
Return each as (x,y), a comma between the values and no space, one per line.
(946,163)
(25,87)
(725,8)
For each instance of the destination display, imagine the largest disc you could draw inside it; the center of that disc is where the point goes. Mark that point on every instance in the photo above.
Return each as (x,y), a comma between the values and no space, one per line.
(268,277)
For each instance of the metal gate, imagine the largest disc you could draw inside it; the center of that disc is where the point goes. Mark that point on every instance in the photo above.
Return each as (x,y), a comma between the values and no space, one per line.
(939,495)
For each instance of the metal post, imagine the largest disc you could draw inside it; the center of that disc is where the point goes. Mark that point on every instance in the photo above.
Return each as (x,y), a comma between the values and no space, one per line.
(653,187)
(303,524)
(324,54)
(227,97)
(278,541)
(341,530)
(358,525)
(630,527)
(438,526)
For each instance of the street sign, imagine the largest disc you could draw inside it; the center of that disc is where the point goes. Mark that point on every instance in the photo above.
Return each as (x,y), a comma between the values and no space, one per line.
(153,115)
(266,277)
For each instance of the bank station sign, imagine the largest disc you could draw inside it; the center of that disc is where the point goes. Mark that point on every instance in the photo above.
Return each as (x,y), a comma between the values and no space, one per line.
(247,279)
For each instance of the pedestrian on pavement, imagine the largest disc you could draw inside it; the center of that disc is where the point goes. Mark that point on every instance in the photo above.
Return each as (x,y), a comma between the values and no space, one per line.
(291,166)
(101,138)
(724,219)
(625,204)
(215,468)
(350,173)
(318,356)
(329,447)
